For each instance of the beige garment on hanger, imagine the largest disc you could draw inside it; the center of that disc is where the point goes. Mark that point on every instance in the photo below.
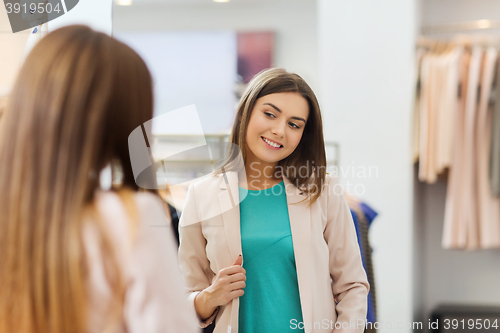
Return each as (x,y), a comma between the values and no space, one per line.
(425,90)
(440,115)
(488,223)
(469,195)
(434,73)
(431,117)
(441,70)
(454,220)
(435,86)
(438,107)
(447,109)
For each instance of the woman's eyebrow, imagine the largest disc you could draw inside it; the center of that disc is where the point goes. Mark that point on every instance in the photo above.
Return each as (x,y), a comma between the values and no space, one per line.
(274,106)
(277,109)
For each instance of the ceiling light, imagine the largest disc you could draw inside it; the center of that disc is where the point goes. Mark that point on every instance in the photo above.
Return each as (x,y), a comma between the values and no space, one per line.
(123,2)
(484,24)
(220,0)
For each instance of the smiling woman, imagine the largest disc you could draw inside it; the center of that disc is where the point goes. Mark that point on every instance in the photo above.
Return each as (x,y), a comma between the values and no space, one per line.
(291,239)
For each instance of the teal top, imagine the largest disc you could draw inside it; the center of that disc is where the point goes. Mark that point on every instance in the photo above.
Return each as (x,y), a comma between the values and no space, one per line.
(271,302)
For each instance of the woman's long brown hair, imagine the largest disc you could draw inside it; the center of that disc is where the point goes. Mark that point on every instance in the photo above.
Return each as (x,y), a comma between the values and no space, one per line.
(309,155)
(78,96)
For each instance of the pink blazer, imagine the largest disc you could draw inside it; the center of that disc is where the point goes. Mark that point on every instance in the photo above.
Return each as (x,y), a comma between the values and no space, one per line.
(333,286)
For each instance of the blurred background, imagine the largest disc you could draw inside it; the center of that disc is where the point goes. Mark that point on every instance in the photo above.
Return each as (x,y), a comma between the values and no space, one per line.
(408,95)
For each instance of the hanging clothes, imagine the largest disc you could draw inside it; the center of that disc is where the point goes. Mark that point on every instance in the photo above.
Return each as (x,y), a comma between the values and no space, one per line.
(425,90)
(435,114)
(447,108)
(461,201)
(459,130)
(495,141)
(363,215)
(453,220)
(469,195)
(366,220)
(488,226)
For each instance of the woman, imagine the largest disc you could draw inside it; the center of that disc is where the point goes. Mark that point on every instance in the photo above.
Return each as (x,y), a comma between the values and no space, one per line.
(76,258)
(286,257)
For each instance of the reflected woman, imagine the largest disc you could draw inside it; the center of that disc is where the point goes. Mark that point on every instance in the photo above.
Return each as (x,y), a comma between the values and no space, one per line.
(76,258)
(268,244)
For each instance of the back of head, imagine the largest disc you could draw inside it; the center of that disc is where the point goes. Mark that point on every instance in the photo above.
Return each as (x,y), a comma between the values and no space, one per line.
(78,96)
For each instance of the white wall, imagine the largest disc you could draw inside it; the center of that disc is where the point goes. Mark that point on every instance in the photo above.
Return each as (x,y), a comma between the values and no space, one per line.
(453,276)
(366,80)
(190,67)
(293,21)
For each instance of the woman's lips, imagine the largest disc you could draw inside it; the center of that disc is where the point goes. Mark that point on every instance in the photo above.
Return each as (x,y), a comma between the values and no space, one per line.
(269,146)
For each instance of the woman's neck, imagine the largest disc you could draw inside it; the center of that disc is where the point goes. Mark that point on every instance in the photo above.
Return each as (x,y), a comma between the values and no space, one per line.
(260,175)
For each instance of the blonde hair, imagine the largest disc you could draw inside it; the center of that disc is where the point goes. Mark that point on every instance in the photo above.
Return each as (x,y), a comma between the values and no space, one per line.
(78,96)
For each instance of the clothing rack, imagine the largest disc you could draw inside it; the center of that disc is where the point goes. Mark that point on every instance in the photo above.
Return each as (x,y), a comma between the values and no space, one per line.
(453,128)
(461,26)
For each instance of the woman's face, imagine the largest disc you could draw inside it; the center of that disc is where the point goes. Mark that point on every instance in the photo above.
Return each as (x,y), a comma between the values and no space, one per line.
(276,125)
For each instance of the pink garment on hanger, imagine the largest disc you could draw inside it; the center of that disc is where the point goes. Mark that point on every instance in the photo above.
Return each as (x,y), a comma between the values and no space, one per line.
(438,104)
(425,89)
(454,219)
(435,93)
(469,194)
(488,222)
(447,109)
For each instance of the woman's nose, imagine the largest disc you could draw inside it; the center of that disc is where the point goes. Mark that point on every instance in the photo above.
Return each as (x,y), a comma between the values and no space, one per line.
(279,129)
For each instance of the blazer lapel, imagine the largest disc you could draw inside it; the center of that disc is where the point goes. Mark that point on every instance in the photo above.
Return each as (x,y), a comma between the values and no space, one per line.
(230,208)
(300,224)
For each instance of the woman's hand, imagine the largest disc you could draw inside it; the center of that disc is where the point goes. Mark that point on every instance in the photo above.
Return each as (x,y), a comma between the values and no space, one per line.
(228,285)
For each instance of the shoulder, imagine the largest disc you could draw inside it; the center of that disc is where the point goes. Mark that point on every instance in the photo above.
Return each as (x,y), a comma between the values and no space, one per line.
(113,205)
(112,201)
(126,216)
(135,223)
(332,191)
(148,204)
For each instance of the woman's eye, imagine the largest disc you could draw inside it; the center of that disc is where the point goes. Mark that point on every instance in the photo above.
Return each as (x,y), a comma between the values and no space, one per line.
(269,114)
(294,125)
